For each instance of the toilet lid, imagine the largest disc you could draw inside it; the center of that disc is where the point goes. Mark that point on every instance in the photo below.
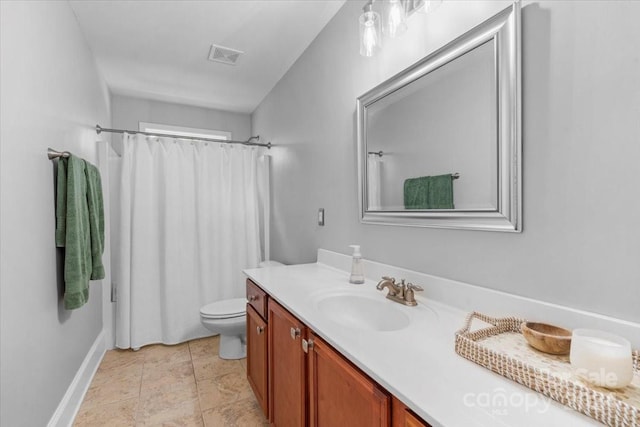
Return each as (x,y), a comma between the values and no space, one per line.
(225,309)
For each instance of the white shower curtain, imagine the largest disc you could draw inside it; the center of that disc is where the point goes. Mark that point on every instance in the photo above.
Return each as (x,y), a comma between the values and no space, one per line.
(188,226)
(374,175)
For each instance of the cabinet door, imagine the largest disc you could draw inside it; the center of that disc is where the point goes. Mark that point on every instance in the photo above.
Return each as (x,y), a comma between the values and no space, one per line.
(403,417)
(257,357)
(340,395)
(411,420)
(287,368)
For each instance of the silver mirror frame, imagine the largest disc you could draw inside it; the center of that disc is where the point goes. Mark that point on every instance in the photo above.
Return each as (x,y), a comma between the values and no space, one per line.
(504,30)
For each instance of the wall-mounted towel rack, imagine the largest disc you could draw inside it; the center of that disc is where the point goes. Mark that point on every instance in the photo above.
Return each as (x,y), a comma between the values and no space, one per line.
(54,154)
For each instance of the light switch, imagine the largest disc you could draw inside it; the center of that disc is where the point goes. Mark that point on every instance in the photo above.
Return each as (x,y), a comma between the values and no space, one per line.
(321,217)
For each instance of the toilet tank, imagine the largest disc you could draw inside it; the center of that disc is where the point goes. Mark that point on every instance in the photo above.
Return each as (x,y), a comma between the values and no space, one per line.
(269,264)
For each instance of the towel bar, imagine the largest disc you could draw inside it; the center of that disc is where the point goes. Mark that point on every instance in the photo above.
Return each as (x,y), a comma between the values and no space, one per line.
(54,154)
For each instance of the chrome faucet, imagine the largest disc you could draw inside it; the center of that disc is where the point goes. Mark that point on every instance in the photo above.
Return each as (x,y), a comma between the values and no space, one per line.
(402,293)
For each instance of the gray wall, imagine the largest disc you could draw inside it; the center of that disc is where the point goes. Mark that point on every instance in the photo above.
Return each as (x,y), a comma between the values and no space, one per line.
(127,112)
(52,95)
(581,135)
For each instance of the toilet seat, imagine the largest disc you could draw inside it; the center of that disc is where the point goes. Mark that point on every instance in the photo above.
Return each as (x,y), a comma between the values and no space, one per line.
(225,309)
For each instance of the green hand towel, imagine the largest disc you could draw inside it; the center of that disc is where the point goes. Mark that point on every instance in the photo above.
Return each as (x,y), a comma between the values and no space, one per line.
(96,220)
(429,192)
(61,202)
(80,227)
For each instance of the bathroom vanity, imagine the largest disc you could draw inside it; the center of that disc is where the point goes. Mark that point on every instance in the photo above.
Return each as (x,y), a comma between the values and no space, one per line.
(322,351)
(311,383)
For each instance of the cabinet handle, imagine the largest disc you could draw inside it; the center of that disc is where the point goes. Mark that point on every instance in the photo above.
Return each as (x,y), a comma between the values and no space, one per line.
(259,329)
(295,333)
(307,345)
(252,298)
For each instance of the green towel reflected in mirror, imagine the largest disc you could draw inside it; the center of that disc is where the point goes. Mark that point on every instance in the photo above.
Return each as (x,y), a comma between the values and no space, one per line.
(429,192)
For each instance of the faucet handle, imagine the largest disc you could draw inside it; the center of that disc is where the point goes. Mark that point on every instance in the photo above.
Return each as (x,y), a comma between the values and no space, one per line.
(413,287)
(392,279)
(409,297)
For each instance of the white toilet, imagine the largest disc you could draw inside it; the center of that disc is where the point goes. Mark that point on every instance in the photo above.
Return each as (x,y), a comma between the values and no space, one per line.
(229,319)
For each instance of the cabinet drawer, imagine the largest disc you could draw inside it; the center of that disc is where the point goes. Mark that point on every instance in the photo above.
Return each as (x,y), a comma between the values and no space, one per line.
(257,299)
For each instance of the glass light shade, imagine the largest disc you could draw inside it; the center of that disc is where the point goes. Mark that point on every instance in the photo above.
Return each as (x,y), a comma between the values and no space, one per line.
(370,33)
(395,22)
(429,6)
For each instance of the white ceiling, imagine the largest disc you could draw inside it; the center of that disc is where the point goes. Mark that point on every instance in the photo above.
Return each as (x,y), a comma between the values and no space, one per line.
(158,49)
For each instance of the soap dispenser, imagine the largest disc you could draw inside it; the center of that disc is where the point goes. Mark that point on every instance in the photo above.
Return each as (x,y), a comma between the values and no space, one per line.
(357,271)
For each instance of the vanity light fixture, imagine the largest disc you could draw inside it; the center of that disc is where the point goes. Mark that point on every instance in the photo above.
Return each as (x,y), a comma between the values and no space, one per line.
(370,30)
(426,6)
(395,13)
(395,21)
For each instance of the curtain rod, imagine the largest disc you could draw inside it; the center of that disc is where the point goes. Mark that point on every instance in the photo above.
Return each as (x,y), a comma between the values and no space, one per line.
(268,145)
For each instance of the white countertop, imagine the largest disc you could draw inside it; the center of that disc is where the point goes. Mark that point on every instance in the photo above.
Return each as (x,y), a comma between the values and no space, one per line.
(417,364)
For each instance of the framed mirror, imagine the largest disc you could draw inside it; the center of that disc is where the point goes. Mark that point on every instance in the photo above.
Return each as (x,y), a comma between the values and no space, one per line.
(439,144)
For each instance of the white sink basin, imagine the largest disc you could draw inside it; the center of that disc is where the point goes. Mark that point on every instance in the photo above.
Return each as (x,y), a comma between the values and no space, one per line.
(363,312)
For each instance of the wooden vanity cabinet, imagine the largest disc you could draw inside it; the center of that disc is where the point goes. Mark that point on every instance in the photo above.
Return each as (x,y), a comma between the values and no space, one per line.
(257,345)
(300,380)
(287,368)
(340,394)
(257,298)
(404,417)
(257,365)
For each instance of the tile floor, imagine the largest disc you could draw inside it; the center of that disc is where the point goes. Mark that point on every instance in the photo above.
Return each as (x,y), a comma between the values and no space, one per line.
(181,385)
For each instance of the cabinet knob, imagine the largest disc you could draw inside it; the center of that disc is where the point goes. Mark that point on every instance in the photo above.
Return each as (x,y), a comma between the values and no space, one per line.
(295,333)
(259,329)
(252,298)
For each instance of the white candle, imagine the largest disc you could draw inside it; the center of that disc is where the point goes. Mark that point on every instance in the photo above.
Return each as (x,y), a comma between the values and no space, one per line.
(601,358)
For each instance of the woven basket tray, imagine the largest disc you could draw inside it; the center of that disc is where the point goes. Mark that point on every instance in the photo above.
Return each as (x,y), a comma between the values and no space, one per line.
(503,349)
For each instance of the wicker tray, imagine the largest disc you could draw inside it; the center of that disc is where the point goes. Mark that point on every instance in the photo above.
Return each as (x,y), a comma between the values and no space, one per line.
(502,349)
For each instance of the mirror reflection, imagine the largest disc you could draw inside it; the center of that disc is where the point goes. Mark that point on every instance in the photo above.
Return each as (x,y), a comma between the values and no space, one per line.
(432,144)
(439,144)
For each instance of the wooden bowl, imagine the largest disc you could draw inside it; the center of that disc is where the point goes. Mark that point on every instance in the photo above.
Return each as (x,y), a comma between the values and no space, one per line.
(547,338)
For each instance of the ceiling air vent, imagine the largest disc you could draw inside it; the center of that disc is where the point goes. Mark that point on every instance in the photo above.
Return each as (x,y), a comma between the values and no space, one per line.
(224,54)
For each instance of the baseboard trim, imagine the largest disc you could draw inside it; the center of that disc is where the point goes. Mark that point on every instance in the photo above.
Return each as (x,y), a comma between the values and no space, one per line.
(68,408)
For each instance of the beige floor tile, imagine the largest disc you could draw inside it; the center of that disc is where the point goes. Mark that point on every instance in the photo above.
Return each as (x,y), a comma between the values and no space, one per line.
(119,414)
(166,398)
(162,354)
(204,347)
(243,362)
(222,390)
(168,407)
(186,421)
(157,376)
(112,390)
(127,372)
(157,386)
(118,359)
(243,413)
(212,367)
